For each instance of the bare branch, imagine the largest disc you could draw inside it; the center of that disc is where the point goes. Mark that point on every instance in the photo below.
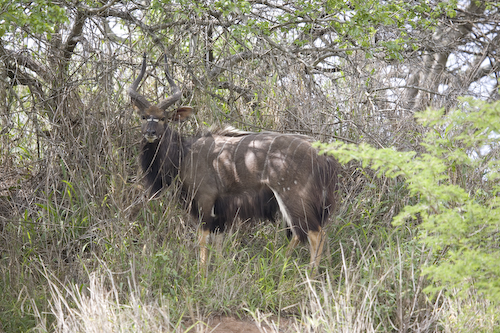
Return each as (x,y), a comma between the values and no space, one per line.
(74,37)
(90,11)
(21,59)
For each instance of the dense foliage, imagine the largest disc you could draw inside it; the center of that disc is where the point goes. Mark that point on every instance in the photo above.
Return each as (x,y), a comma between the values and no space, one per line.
(455,180)
(83,248)
(34,17)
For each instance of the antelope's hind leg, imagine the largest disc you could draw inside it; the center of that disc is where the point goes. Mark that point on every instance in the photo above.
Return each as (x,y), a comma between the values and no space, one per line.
(292,245)
(316,243)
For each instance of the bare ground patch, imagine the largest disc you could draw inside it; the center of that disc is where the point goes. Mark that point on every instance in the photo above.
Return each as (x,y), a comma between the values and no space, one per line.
(227,324)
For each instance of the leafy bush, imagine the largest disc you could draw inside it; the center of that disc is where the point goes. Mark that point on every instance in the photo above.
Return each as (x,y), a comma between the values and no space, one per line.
(40,16)
(455,179)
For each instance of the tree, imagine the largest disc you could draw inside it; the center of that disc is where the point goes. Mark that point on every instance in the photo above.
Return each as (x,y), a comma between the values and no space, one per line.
(359,68)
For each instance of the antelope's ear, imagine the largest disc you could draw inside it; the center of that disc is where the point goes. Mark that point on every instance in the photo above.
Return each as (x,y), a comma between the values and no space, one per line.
(139,108)
(182,113)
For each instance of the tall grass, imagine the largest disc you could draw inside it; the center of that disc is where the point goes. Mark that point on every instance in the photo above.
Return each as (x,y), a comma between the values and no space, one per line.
(75,261)
(366,292)
(82,249)
(83,270)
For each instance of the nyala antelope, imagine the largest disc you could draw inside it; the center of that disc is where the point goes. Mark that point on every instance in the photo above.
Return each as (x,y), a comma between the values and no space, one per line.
(229,174)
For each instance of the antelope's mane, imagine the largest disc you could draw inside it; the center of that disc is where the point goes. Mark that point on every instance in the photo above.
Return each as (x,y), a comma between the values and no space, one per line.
(227,130)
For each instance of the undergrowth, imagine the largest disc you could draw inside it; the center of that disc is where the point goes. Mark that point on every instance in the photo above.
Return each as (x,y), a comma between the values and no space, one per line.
(84,250)
(92,267)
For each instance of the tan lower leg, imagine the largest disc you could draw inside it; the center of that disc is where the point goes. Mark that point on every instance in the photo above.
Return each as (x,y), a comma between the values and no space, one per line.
(292,245)
(203,241)
(316,242)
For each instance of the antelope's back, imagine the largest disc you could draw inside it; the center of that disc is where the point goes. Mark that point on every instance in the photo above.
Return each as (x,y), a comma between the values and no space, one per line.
(237,161)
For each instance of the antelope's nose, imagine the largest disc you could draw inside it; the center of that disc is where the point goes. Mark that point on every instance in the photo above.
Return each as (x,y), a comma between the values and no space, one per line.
(150,132)
(152,125)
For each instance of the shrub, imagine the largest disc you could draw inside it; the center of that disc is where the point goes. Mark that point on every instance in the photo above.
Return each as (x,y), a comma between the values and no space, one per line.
(455,180)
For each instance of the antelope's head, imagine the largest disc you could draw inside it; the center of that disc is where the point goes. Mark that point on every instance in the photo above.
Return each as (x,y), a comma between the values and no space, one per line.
(155,118)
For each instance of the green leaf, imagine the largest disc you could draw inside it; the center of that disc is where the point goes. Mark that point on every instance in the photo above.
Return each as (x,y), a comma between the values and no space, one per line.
(458,207)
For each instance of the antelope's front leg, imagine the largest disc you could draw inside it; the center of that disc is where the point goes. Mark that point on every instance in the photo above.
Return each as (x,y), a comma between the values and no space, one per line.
(206,215)
(203,241)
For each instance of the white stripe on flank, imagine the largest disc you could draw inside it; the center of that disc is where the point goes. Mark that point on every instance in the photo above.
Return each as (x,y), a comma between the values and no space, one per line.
(267,159)
(284,211)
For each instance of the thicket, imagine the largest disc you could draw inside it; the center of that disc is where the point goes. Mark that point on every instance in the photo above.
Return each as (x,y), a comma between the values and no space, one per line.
(414,246)
(453,184)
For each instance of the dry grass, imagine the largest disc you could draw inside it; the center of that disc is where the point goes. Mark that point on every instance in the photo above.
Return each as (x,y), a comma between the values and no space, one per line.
(83,250)
(357,300)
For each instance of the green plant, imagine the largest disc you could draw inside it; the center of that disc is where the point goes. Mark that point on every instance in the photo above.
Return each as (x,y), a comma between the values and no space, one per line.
(455,183)
(40,16)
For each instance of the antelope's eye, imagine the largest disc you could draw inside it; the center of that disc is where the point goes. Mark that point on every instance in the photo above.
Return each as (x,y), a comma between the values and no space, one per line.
(162,119)
(143,117)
